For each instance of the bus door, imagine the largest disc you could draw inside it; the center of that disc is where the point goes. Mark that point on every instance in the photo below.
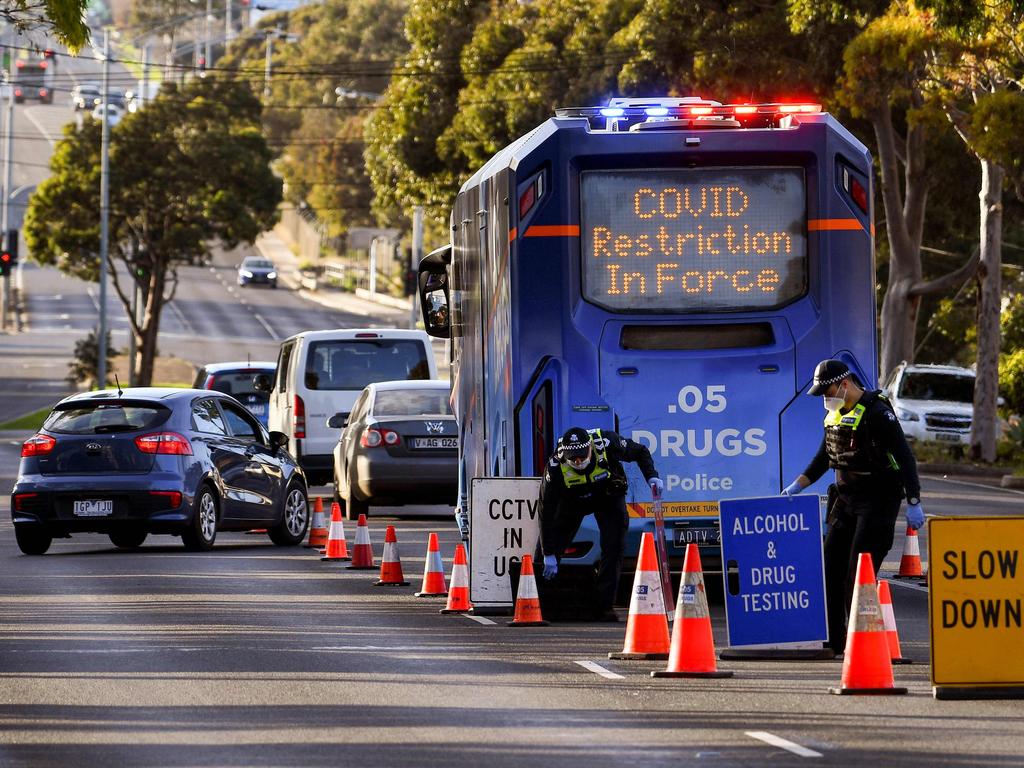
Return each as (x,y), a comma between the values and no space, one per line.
(705,399)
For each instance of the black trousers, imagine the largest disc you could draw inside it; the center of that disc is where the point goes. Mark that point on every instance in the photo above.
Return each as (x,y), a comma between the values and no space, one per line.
(860,520)
(612,522)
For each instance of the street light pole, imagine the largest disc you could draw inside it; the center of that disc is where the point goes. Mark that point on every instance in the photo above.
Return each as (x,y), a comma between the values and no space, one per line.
(101,342)
(206,35)
(5,299)
(266,66)
(229,25)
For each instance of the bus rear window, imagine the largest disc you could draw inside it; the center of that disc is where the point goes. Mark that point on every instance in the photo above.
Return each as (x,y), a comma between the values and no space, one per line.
(694,240)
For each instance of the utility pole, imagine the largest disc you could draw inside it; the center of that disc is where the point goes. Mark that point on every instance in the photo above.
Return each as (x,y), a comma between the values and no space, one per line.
(266,66)
(101,341)
(206,33)
(144,96)
(229,25)
(417,255)
(5,297)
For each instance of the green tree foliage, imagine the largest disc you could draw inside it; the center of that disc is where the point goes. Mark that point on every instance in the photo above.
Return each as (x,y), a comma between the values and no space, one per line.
(64,19)
(188,171)
(85,363)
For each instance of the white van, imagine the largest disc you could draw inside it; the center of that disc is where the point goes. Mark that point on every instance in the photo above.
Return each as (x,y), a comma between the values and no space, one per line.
(320,373)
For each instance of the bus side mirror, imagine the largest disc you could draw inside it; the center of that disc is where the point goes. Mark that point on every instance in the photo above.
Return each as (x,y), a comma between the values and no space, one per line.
(434,300)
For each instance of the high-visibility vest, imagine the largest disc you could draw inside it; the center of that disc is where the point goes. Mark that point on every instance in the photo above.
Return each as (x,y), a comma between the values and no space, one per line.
(844,446)
(598,471)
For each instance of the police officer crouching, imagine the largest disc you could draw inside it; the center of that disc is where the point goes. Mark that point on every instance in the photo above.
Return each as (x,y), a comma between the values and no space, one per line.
(875,468)
(585,476)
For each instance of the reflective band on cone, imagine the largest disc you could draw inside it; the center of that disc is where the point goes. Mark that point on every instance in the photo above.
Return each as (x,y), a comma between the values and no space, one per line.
(647,626)
(693,644)
(362,552)
(889,619)
(527,600)
(458,591)
(390,564)
(318,530)
(910,563)
(867,668)
(337,547)
(433,571)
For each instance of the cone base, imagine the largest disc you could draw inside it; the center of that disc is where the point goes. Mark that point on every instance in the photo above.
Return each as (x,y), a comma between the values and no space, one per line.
(528,623)
(431,594)
(901,660)
(909,576)
(623,656)
(455,610)
(894,691)
(778,654)
(361,567)
(339,559)
(716,673)
(390,584)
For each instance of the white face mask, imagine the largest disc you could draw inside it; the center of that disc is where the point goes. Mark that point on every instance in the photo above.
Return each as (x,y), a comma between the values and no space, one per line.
(834,403)
(580,463)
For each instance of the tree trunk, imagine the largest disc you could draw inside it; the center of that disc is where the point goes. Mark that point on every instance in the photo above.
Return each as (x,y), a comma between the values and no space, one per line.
(147,343)
(984,425)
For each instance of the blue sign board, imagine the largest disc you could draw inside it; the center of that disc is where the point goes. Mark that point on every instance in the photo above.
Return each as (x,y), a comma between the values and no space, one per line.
(775,544)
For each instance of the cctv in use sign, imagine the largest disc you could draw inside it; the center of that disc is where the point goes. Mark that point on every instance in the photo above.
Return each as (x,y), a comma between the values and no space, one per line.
(504,525)
(976,604)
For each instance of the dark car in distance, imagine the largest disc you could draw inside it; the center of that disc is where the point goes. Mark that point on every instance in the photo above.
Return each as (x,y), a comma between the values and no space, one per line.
(257,271)
(400,445)
(155,461)
(240,381)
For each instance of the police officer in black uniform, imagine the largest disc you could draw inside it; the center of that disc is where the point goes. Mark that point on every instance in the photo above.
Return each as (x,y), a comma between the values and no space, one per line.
(585,476)
(875,469)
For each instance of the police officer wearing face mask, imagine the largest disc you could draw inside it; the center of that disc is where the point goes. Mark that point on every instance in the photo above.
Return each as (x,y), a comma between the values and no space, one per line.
(875,468)
(585,476)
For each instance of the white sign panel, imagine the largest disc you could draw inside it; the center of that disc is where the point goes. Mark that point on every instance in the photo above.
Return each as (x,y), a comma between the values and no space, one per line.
(504,525)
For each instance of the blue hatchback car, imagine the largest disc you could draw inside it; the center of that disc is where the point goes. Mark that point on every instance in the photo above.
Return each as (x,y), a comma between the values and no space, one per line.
(147,460)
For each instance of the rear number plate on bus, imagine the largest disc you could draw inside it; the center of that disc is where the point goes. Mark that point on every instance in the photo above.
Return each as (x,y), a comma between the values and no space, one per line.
(94,508)
(684,536)
(435,442)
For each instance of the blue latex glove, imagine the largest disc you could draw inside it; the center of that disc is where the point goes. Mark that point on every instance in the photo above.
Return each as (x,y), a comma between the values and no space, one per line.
(550,566)
(915,516)
(792,489)
(657,487)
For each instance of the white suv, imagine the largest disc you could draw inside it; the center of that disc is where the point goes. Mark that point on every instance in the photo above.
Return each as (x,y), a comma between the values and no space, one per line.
(933,402)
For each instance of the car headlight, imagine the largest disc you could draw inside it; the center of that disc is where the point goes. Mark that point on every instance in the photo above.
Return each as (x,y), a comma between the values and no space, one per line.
(245,273)
(271,275)
(904,415)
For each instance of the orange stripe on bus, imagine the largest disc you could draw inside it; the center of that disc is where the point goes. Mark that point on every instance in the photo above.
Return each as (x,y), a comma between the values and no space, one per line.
(816,225)
(554,230)
(512,234)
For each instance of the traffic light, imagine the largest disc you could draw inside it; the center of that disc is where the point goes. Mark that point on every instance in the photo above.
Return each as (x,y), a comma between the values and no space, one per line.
(9,254)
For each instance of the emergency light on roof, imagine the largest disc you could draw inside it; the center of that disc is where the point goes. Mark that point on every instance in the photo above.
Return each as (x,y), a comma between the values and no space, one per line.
(690,112)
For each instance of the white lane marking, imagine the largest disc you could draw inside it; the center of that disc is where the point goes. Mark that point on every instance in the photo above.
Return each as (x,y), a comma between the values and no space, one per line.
(597,669)
(479,619)
(893,581)
(975,485)
(778,741)
(266,325)
(28,113)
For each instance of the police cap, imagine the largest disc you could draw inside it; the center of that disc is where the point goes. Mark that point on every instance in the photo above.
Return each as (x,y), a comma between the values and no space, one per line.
(574,444)
(827,373)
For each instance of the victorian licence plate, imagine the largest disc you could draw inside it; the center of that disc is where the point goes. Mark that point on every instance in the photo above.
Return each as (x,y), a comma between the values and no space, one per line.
(948,437)
(435,442)
(94,508)
(704,535)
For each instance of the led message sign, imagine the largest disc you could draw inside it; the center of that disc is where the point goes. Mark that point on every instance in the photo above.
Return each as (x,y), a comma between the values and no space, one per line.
(694,240)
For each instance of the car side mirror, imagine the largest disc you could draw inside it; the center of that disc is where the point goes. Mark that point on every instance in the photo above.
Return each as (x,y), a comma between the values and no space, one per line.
(278,440)
(338,421)
(261,382)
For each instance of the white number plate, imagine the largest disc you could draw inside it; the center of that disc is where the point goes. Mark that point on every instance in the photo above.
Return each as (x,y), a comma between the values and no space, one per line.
(435,442)
(94,508)
(948,437)
(684,536)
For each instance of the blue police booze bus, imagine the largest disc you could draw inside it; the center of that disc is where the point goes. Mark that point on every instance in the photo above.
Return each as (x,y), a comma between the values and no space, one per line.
(671,269)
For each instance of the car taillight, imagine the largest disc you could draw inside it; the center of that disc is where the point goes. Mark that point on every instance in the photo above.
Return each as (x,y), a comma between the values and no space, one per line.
(374,437)
(208,384)
(37,445)
(173,497)
(170,443)
(20,499)
(299,418)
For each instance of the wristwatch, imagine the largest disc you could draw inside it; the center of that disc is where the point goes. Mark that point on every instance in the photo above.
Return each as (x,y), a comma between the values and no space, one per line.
(913,501)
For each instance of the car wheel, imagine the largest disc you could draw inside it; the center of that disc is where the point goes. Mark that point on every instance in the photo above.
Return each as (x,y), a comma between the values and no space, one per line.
(129,539)
(294,518)
(32,539)
(202,531)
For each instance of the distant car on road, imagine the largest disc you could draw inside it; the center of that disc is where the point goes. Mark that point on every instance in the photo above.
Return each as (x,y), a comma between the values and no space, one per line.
(114,113)
(240,380)
(254,269)
(934,403)
(149,460)
(86,97)
(398,446)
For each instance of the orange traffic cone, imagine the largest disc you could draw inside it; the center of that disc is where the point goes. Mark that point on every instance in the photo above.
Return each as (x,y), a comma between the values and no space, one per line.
(458,592)
(867,668)
(527,601)
(433,571)
(337,547)
(693,643)
(390,564)
(889,618)
(647,626)
(910,563)
(318,530)
(362,552)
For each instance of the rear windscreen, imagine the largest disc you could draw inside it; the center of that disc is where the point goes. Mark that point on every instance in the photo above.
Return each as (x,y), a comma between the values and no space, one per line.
(100,418)
(354,363)
(694,240)
(412,403)
(239,384)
